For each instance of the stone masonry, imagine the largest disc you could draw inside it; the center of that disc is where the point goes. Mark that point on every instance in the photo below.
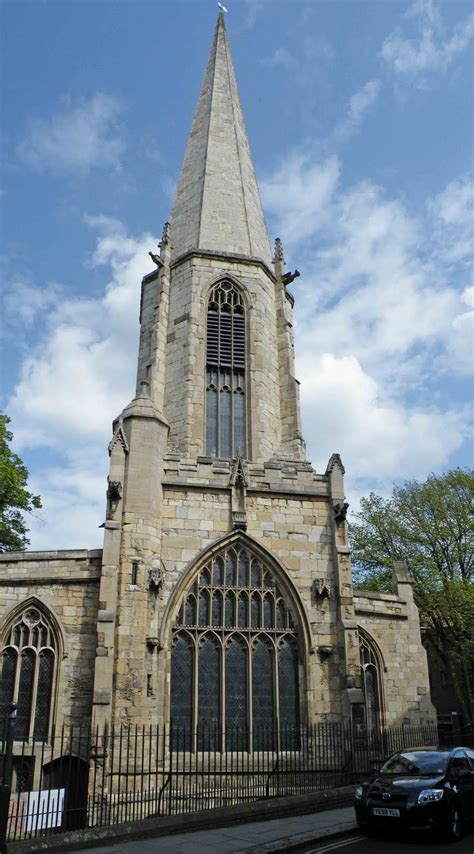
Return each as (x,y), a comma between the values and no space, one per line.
(170,506)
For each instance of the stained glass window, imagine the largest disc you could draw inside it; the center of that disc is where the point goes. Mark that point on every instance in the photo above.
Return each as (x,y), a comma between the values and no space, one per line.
(29,671)
(236,691)
(209,721)
(182,659)
(244,633)
(225,386)
(288,693)
(263,700)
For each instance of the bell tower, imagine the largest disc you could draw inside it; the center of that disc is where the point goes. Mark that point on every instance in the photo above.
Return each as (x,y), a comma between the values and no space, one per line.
(218,244)
(226,591)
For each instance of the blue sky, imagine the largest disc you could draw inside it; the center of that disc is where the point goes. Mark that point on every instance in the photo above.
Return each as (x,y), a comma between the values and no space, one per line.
(359,116)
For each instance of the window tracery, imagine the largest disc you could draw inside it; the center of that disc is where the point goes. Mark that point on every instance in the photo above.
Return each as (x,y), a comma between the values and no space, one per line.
(371,680)
(225,369)
(235,660)
(29,669)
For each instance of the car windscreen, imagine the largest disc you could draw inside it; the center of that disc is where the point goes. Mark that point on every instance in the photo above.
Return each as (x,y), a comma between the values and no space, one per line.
(417,764)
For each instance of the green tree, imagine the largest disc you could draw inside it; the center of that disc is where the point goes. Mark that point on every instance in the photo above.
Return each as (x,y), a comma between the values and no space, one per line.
(14,496)
(431,525)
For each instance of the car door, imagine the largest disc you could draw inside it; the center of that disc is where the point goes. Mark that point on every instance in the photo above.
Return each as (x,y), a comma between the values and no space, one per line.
(462,777)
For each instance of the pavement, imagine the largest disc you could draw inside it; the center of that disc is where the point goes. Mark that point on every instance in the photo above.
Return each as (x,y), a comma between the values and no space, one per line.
(259,837)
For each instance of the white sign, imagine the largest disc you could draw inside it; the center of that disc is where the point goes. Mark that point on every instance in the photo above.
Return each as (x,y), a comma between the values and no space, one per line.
(45,809)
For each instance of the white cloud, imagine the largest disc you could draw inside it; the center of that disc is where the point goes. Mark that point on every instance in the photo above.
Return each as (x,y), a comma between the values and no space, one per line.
(298,193)
(434,46)
(453,212)
(380,320)
(73,383)
(359,104)
(380,439)
(77,139)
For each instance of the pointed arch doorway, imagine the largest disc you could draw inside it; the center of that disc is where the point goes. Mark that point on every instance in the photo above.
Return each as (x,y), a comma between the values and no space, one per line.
(235,659)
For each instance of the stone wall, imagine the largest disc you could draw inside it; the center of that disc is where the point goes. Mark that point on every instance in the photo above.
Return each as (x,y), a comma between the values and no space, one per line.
(392,621)
(66,582)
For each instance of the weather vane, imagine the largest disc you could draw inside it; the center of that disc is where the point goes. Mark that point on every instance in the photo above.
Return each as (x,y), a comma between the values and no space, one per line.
(221,6)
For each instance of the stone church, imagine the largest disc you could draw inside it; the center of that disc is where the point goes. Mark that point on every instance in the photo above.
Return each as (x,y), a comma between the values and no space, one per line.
(223,593)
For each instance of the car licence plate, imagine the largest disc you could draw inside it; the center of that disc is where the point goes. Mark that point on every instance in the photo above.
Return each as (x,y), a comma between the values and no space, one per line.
(386,811)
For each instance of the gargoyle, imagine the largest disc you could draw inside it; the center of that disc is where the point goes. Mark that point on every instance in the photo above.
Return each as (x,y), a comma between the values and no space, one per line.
(156,259)
(288,278)
(340,511)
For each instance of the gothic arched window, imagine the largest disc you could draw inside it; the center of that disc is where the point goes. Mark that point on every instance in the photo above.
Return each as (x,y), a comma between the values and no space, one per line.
(29,669)
(371,672)
(225,369)
(235,660)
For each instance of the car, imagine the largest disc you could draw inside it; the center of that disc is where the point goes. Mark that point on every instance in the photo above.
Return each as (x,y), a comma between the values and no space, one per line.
(420,788)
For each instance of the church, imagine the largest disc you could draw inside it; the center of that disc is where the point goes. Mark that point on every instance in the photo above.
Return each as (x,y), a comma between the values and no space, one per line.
(223,593)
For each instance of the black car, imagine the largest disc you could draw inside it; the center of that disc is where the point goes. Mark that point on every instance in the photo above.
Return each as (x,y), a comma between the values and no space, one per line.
(420,788)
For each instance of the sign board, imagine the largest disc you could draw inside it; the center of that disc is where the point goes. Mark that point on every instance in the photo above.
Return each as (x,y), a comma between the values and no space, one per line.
(45,809)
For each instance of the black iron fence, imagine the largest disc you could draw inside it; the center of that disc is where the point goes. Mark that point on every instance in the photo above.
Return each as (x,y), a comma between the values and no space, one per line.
(78,778)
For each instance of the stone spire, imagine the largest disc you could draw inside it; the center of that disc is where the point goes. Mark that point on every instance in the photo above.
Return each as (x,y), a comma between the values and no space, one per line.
(217,205)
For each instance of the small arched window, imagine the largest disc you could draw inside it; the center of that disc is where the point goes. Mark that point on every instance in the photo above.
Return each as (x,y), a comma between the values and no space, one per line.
(371,672)
(29,670)
(225,369)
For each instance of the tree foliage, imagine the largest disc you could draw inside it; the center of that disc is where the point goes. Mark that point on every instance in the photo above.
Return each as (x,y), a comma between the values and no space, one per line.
(431,525)
(15,499)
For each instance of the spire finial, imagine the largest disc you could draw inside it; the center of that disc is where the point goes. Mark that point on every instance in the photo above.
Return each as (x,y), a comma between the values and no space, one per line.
(278,254)
(165,237)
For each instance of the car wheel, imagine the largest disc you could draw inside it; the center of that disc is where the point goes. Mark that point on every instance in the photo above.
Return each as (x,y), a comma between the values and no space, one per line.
(454,824)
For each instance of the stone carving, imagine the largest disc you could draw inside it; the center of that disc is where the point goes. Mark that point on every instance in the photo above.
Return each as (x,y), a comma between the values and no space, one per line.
(156,575)
(288,278)
(114,495)
(156,259)
(278,254)
(166,236)
(340,509)
(238,476)
(335,460)
(324,652)
(239,519)
(119,436)
(322,588)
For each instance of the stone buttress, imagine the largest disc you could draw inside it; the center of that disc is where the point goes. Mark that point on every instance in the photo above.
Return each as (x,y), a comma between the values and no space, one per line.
(169,499)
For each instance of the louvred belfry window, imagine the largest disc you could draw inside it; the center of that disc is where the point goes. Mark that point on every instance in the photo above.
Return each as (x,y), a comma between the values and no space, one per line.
(29,670)
(235,659)
(225,367)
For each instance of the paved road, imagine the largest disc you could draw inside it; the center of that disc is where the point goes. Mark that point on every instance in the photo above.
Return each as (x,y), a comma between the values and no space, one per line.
(410,843)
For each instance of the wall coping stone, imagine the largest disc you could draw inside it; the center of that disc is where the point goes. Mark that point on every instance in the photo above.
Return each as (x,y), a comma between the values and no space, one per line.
(372,594)
(61,554)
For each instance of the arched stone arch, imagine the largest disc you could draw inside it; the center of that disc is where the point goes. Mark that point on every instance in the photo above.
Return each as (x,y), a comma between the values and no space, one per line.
(372,670)
(33,645)
(280,572)
(226,420)
(47,611)
(228,277)
(246,667)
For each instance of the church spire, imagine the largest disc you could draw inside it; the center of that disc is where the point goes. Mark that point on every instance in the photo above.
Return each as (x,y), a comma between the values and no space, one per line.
(217,205)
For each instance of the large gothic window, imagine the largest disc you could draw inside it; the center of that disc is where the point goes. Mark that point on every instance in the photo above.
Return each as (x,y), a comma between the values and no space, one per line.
(371,672)
(29,670)
(235,662)
(225,367)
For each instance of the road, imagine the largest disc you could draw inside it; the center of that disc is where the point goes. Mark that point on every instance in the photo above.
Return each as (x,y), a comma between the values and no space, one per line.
(409,843)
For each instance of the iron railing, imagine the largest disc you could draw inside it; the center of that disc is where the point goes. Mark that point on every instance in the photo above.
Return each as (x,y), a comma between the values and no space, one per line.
(78,778)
